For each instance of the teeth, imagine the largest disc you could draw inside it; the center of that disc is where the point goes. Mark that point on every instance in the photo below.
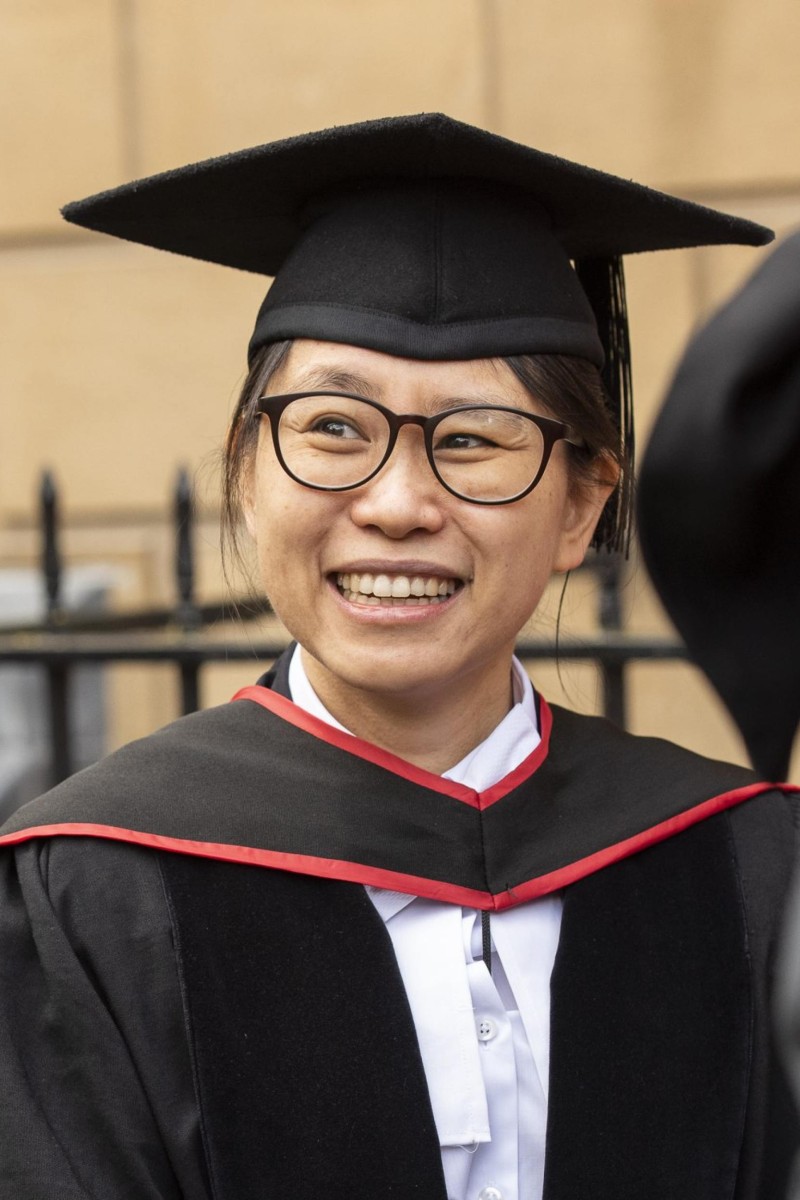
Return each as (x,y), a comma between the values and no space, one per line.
(395,589)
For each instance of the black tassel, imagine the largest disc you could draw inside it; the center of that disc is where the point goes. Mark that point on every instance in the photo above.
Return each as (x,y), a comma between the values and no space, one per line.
(603,280)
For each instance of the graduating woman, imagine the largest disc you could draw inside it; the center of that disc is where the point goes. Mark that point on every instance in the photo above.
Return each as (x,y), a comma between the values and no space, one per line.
(388,924)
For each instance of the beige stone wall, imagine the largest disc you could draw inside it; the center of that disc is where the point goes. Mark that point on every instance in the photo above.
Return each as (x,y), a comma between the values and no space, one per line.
(118,363)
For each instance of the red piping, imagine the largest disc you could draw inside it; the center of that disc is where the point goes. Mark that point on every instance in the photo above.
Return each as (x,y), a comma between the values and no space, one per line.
(527,767)
(287,710)
(331,868)
(301,864)
(584,867)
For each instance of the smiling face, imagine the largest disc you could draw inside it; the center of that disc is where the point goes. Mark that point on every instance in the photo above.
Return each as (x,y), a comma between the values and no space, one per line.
(398,588)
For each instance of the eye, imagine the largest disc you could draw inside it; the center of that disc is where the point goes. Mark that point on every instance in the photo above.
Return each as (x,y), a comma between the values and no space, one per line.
(335,427)
(453,440)
(476,430)
(485,431)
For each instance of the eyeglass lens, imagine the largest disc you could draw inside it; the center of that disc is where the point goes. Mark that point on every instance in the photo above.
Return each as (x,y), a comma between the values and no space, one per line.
(482,453)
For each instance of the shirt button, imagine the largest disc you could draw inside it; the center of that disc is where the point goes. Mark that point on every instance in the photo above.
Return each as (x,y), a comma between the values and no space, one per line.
(486,1031)
(490,1193)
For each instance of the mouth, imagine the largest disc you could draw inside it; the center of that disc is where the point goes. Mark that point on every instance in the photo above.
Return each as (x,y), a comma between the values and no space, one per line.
(396,591)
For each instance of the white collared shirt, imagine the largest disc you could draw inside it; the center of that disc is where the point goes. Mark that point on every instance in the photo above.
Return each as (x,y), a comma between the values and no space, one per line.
(484,1039)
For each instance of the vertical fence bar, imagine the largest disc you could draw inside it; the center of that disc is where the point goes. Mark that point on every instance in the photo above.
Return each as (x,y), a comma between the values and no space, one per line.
(190,691)
(51,554)
(187,613)
(612,674)
(58,704)
(57,674)
(184,551)
(615,692)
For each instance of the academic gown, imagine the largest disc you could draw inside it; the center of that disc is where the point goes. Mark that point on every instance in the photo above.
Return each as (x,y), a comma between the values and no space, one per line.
(200,1001)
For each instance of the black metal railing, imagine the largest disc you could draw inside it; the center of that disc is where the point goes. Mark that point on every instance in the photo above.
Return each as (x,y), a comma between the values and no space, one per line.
(175,635)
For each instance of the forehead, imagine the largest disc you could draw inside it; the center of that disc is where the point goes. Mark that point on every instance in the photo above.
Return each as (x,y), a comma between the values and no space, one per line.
(317,365)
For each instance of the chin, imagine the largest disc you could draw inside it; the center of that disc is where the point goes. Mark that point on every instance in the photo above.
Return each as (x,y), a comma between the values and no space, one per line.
(391,673)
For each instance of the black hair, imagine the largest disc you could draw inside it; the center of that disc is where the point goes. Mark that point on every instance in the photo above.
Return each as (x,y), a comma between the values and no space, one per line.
(570,389)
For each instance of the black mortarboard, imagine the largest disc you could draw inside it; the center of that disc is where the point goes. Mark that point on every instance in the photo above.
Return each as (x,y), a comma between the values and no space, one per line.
(421,237)
(719,506)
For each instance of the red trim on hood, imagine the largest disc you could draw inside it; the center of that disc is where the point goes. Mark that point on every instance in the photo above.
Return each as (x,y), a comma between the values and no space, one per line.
(332,868)
(584,867)
(287,710)
(527,767)
(300,864)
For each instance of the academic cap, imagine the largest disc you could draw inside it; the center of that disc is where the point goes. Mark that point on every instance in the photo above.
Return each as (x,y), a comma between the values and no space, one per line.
(421,237)
(719,506)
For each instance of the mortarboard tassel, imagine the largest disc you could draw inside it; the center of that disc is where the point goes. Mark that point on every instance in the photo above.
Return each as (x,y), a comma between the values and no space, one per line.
(603,281)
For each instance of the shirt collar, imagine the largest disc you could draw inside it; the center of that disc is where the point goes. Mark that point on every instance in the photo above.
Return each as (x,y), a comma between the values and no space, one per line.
(509,744)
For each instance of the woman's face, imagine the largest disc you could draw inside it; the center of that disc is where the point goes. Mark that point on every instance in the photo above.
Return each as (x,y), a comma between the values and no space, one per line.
(403,531)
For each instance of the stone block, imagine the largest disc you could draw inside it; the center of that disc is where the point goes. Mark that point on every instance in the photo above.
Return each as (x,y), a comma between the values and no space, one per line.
(62,134)
(675,701)
(119,365)
(214,78)
(670,93)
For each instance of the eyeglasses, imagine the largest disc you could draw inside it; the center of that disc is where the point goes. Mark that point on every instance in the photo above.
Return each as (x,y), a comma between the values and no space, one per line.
(487,454)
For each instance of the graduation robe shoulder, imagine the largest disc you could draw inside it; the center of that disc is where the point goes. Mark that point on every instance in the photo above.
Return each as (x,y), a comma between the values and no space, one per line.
(198,1000)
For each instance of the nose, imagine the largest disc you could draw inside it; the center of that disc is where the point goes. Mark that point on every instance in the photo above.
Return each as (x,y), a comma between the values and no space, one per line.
(405,495)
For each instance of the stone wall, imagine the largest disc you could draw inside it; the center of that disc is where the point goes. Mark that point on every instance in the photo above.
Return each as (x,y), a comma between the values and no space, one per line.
(119,363)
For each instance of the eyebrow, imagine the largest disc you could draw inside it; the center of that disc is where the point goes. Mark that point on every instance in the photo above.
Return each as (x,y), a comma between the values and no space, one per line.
(485,400)
(338,379)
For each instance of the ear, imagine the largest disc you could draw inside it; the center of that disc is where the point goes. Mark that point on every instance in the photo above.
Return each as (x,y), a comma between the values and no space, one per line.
(583,508)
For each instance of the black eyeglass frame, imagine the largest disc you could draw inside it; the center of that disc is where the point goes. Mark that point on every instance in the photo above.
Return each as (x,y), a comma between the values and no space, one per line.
(552,431)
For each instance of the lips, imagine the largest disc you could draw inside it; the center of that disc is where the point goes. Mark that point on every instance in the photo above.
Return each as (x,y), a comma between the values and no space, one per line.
(395,589)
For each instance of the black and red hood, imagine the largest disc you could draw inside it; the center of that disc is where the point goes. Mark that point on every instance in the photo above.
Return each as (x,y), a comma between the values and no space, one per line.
(260,781)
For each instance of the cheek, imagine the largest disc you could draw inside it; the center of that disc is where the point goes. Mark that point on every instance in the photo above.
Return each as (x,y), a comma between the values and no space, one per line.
(525,553)
(281,557)
(273,493)
(535,530)
(292,524)
(270,522)
(500,567)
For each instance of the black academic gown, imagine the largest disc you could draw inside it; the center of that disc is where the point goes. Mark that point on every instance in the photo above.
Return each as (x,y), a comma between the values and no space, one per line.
(177,1024)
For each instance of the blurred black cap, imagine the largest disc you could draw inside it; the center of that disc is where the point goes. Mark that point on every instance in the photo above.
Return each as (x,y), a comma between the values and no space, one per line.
(719,506)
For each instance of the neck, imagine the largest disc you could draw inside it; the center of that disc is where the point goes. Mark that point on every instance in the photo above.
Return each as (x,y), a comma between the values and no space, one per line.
(433,728)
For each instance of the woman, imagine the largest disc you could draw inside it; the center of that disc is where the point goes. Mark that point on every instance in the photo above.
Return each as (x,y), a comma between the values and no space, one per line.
(387,925)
